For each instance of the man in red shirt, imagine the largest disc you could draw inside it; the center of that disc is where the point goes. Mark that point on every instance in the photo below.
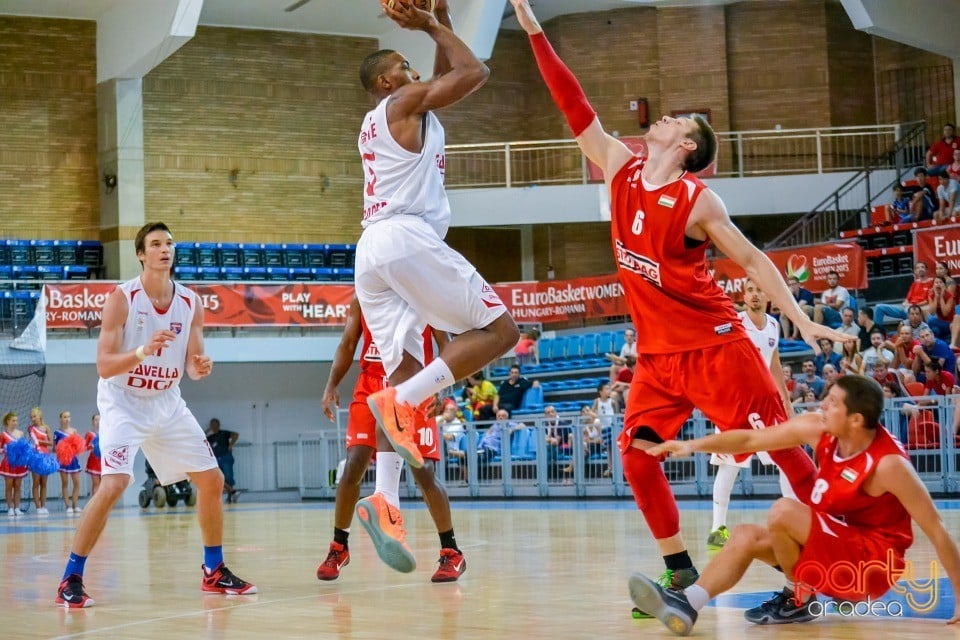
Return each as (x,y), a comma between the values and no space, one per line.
(940,153)
(918,293)
(939,382)
(860,514)
(688,332)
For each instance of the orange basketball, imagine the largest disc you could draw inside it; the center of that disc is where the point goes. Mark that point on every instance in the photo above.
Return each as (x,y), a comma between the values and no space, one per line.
(425,5)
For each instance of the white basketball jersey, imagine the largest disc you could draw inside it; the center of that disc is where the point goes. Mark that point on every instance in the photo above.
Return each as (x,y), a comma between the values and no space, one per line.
(765,339)
(400,182)
(162,371)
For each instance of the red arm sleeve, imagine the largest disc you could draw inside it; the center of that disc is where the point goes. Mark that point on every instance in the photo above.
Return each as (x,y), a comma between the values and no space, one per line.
(566,91)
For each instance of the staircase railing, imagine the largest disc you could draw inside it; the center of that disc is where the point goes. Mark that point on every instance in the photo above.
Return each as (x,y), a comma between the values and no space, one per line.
(849,205)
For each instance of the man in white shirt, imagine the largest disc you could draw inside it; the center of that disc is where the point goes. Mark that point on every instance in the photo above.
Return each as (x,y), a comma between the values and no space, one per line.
(832,301)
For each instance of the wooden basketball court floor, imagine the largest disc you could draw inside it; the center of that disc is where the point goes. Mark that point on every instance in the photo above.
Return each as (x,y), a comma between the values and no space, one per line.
(535,570)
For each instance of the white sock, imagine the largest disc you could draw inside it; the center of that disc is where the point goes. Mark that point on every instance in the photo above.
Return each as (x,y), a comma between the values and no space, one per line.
(722,488)
(389,466)
(435,377)
(697,596)
(786,489)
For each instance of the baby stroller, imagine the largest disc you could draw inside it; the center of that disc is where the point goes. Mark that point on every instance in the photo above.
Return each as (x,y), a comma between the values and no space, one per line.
(168,495)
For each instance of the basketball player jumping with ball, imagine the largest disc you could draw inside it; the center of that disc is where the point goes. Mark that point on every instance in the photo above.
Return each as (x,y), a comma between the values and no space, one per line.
(406,276)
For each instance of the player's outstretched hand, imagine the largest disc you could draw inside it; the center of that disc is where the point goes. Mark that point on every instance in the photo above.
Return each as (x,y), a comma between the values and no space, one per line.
(331,398)
(199,367)
(811,332)
(526,18)
(674,448)
(407,16)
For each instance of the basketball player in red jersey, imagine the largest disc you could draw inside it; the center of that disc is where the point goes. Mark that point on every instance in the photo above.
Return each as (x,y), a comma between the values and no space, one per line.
(860,509)
(380,513)
(406,276)
(688,332)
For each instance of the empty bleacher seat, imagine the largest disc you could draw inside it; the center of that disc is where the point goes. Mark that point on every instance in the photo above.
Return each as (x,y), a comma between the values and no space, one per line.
(233,274)
(207,254)
(66,252)
(339,255)
(301,274)
(24,272)
(208,273)
(19,252)
(589,348)
(185,273)
(316,255)
(278,273)
(255,273)
(228,254)
(185,255)
(76,272)
(323,274)
(273,255)
(251,255)
(574,344)
(49,272)
(295,255)
(6,272)
(43,252)
(619,340)
(90,253)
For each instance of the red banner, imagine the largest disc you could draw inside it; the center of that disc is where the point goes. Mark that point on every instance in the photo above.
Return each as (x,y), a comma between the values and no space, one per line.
(79,306)
(938,244)
(809,265)
(562,300)
(638,146)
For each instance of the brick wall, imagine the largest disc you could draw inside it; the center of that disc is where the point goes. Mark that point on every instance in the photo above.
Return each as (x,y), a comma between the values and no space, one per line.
(851,71)
(48,141)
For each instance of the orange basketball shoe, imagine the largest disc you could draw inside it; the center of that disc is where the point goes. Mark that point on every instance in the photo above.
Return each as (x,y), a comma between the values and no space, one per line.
(452,566)
(337,559)
(384,523)
(398,422)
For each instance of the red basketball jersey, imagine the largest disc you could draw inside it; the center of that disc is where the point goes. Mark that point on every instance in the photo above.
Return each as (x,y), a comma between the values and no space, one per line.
(371,364)
(838,489)
(675,303)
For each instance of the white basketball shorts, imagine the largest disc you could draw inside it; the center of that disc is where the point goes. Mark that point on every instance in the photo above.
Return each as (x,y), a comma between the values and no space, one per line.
(408,278)
(161,425)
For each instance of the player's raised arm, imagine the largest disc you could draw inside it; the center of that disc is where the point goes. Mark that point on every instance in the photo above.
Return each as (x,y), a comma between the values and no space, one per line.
(342,359)
(709,219)
(897,476)
(466,73)
(441,63)
(603,150)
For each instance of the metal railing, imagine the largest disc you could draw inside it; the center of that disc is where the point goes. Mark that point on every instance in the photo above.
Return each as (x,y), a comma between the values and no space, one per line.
(849,205)
(742,154)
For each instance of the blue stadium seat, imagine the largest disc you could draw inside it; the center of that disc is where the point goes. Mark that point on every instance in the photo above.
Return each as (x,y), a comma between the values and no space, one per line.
(6,272)
(49,272)
(208,273)
(498,372)
(301,274)
(316,255)
(90,253)
(255,273)
(228,254)
(278,273)
(233,274)
(294,255)
(185,255)
(24,272)
(43,252)
(342,273)
(618,341)
(532,397)
(4,253)
(589,346)
(559,349)
(252,255)
(574,347)
(520,444)
(207,254)
(19,252)
(323,274)
(273,255)
(339,255)
(24,304)
(184,273)
(545,346)
(604,342)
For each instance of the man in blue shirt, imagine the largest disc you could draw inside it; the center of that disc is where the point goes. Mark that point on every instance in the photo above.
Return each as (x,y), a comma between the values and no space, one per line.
(932,348)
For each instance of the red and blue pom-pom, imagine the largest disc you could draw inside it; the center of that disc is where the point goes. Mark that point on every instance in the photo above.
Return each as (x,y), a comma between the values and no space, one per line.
(69,448)
(19,452)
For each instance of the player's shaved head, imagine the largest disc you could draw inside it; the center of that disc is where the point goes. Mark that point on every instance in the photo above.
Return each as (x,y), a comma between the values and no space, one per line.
(373,66)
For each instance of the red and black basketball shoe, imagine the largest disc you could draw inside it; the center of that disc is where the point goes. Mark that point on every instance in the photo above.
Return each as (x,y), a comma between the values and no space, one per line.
(221,580)
(71,594)
(337,559)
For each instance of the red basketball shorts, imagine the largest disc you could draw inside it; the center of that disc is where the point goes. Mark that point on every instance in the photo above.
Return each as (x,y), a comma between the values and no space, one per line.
(362,426)
(729,383)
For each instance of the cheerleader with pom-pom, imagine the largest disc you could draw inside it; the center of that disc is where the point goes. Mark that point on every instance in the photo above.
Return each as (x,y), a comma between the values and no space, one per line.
(93,446)
(42,438)
(12,475)
(67,444)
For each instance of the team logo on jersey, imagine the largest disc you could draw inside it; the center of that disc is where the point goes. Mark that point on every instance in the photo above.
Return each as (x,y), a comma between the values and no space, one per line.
(141,319)
(771,342)
(723,329)
(849,474)
(636,263)
(176,327)
(372,354)
(117,458)
(490,297)
(667,201)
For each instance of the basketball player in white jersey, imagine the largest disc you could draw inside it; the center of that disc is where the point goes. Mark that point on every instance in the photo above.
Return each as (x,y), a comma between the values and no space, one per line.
(152,333)
(764,331)
(406,276)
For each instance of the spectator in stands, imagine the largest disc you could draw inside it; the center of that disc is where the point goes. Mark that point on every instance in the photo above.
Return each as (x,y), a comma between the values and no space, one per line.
(491,442)
(833,300)
(589,429)
(808,381)
(940,153)
(943,309)
(850,360)
(559,438)
(807,402)
(451,429)
(882,373)
(938,381)
(915,321)
(788,378)
(848,327)
(946,199)
(953,171)
(221,443)
(806,302)
(526,349)
(866,324)
(605,406)
(619,360)
(826,356)
(942,269)
(510,394)
(916,294)
(624,378)
(876,351)
(902,347)
(923,199)
(932,349)
(482,396)
(898,211)
(830,376)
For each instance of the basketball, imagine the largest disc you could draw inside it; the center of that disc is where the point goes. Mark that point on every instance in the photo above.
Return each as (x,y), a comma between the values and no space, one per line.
(425,5)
